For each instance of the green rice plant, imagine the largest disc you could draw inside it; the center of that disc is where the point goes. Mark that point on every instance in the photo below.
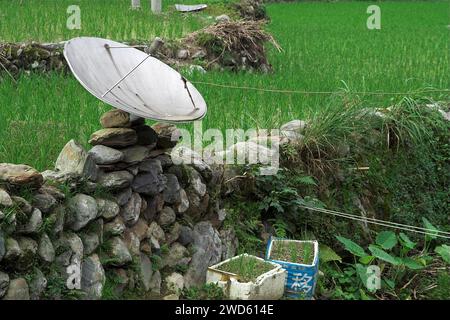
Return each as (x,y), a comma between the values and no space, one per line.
(322,53)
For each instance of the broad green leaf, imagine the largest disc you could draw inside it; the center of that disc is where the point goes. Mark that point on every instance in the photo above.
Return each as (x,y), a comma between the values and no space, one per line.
(386,239)
(383,255)
(366,259)
(428,225)
(444,252)
(406,241)
(306,180)
(362,273)
(412,264)
(352,247)
(389,283)
(326,254)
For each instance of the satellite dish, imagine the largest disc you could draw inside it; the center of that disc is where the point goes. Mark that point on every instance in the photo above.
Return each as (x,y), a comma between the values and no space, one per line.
(133,81)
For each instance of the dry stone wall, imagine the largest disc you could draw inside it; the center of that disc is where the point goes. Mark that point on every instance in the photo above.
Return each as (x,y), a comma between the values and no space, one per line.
(121,210)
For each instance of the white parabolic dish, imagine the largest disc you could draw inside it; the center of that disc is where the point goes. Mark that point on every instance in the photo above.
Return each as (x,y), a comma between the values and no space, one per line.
(153,90)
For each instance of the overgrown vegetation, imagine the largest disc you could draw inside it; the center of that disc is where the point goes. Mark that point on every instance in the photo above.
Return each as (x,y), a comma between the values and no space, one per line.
(389,164)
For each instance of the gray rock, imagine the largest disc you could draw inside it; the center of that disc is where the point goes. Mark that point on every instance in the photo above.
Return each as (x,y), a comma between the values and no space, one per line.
(194,68)
(172,296)
(140,229)
(33,225)
(91,241)
(123,196)
(12,250)
(165,160)
(196,183)
(46,250)
(167,216)
(183,204)
(135,154)
(18,290)
(146,135)
(132,242)
(20,175)
(131,211)
(292,136)
(172,188)
(115,119)
(114,137)
(4,283)
(92,277)
(223,18)
(38,284)
(174,282)
(58,218)
(186,236)
(22,204)
(156,232)
(59,177)
(294,125)
(197,206)
(44,202)
(115,227)
(134,170)
(183,54)
(217,217)
(145,271)
(2,215)
(200,54)
(151,165)
(150,181)
(174,233)
(155,247)
(73,159)
(119,255)
(207,251)
(155,283)
(168,135)
(154,206)
(29,248)
(57,194)
(5,199)
(175,254)
(69,249)
(184,155)
(116,180)
(106,155)
(82,209)
(107,209)
(230,243)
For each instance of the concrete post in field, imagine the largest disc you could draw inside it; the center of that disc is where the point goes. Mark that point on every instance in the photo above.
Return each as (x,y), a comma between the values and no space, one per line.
(156,6)
(135,4)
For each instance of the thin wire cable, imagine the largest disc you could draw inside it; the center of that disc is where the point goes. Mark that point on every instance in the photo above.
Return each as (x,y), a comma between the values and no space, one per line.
(385,224)
(388,222)
(312,92)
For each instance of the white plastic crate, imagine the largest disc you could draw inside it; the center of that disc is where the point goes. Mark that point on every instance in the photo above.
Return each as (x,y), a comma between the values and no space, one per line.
(268,286)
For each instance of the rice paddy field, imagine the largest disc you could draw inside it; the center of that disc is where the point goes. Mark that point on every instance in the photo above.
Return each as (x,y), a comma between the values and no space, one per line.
(326,48)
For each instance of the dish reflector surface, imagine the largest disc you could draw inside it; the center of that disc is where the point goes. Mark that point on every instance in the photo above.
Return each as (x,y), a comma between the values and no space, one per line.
(153,90)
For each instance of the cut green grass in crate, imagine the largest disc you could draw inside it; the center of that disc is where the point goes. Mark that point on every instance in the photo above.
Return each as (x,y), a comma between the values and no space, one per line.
(247,268)
(296,252)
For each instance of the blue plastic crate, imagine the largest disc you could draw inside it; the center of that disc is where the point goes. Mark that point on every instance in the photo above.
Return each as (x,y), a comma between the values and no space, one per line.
(301,278)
